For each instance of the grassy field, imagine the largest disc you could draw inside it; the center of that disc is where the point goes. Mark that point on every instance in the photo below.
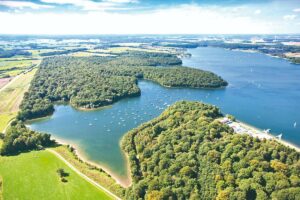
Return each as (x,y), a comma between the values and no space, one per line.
(87,54)
(33,176)
(1,196)
(11,97)
(113,50)
(92,172)
(13,67)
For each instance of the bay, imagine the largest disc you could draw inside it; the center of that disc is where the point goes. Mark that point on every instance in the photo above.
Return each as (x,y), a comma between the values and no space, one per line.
(263,91)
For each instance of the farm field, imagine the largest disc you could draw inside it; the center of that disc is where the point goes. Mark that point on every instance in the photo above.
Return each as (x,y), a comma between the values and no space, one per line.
(13,67)
(35,175)
(4,81)
(11,96)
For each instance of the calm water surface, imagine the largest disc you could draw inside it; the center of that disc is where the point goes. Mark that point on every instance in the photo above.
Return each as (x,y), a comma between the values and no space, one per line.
(263,91)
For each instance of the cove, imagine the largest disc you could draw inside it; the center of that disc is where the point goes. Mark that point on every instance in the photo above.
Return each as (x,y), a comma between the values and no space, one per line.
(263,91)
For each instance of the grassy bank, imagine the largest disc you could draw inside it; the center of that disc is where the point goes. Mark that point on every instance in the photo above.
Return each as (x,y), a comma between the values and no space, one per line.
(35,177)
(11,97)
(91,171)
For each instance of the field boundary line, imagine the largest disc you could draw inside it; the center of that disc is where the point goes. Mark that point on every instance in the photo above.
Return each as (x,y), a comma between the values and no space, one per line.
(83,175)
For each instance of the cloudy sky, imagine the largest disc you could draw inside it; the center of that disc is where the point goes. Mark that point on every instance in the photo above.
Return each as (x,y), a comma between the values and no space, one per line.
(149,16)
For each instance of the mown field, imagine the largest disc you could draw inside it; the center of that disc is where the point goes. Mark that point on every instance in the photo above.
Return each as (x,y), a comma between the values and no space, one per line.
(34,176)
(11,97)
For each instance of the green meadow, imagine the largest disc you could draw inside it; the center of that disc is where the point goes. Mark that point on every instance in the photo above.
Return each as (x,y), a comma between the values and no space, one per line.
(34,175)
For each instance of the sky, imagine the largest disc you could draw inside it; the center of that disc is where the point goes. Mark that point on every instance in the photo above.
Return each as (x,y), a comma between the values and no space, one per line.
(149,17)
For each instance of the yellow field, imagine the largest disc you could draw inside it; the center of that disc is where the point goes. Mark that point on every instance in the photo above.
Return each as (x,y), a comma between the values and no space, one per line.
(87,54)
(113,50)
(11,97)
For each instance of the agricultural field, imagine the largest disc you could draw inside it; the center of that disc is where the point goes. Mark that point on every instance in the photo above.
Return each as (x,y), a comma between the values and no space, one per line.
(36,52)
(11,97)
(36,177)
(4,81)
(13,67)
(123,49)
(87,54)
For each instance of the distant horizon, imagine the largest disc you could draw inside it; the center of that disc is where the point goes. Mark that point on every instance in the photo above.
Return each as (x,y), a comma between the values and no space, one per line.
(151,34)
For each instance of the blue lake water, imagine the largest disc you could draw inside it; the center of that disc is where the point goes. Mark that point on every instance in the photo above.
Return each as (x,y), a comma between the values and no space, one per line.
(263,91)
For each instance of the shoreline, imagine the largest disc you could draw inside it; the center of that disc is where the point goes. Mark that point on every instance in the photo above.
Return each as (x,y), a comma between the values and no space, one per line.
(80,154)
(288,59)
(282,141)
(241,127)
(92,109)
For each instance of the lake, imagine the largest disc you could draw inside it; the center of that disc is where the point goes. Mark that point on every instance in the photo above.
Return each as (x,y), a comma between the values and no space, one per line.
(263,91)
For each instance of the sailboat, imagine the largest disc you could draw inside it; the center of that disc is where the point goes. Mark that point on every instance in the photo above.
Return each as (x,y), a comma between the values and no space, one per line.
(266,130)
(295,124)
(279,136)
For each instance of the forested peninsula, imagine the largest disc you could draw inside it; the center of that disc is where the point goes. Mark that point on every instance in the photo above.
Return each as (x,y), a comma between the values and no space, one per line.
(186,153)
(92,82)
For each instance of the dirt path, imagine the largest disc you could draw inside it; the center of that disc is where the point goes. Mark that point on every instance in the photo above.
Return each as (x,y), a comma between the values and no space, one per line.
(10,82)
(4,81)
(82,175)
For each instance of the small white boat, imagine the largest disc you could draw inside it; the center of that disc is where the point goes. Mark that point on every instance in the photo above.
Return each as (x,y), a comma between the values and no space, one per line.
(279,136)
(295,124)
(266,130)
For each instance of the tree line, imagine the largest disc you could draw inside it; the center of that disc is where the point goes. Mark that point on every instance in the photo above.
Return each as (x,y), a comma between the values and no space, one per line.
(91,82)
(53,53)
(18,138)
(13,52)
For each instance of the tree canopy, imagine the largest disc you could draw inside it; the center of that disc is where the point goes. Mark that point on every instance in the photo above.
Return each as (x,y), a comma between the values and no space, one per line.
(18,138)
(186,153)
(91,82)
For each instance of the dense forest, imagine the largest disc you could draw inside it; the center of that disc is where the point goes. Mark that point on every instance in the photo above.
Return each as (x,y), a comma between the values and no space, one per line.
(143,58)
(178,44)
(186,153)
(13,52)
(19,138)
(53,53)
(91,82)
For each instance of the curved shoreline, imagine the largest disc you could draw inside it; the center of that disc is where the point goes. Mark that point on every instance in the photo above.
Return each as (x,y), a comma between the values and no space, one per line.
(81,155)
(83,175)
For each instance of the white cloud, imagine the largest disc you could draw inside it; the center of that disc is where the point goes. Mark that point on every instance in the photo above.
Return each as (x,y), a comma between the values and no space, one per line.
(92,5)
(257,12)
(122,1)
(23,4)
(289,17)
(296,10)
(185,19)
